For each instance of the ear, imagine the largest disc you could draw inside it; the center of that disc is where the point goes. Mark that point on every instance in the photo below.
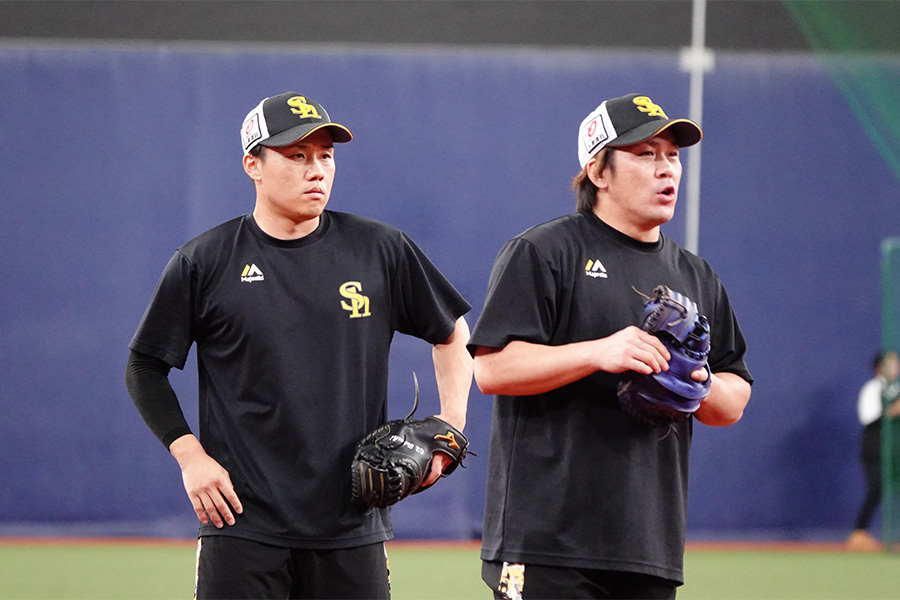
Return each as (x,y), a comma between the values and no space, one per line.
(599,179)
(251,167)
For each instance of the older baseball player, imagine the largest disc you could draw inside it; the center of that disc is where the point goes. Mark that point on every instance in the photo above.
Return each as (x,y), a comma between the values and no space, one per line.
(584,501)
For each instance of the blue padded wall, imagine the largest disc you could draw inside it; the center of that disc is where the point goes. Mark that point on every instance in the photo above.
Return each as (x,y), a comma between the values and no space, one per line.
(113,156)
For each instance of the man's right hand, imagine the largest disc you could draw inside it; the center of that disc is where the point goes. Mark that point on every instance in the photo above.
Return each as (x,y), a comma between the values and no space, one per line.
(631,349)
(206,482)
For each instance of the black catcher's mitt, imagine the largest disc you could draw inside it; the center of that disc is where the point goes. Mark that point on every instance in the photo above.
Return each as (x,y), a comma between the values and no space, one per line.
(669,396)
(392,462)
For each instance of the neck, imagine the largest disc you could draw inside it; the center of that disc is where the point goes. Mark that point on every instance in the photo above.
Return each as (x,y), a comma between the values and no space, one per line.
(649,234)
(283,228)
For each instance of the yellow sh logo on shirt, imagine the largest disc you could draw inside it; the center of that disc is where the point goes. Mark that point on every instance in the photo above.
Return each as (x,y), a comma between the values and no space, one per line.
(358,304)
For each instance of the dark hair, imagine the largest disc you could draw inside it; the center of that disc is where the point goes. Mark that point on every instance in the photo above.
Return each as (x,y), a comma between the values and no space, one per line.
(256,150)
(879,359)
(584,188)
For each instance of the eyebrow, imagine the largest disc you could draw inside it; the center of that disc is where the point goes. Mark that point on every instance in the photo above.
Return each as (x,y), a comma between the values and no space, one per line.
(305,144)
(657,142)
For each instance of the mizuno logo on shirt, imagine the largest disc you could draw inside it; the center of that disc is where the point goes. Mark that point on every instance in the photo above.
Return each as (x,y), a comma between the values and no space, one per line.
(252,273)
(594,268)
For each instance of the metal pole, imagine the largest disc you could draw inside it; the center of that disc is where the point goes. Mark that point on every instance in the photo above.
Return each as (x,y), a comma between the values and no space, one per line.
(890,510)
(696,60)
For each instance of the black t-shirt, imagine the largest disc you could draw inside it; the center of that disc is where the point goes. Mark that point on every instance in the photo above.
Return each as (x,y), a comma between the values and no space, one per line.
(292,350)
(573,480)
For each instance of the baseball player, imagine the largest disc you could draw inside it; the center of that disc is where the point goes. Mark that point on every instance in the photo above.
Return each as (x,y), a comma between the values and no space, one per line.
(292,309)
(583,500)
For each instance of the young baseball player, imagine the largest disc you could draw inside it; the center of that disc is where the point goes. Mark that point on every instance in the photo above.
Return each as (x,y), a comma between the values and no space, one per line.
(583,500)
(292,309)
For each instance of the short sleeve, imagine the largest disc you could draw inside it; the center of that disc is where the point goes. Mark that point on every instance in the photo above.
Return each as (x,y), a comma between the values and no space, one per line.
(728,347)
(165,330)
(425,303)
(521,299)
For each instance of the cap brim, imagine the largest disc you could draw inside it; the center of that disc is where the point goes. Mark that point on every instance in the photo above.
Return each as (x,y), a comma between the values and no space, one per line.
(687,133)
(339,134)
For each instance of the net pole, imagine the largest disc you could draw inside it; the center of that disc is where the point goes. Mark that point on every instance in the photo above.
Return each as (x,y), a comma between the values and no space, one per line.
(890,249)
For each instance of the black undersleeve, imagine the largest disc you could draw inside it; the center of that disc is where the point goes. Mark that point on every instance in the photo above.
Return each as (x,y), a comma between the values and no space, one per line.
(147,379)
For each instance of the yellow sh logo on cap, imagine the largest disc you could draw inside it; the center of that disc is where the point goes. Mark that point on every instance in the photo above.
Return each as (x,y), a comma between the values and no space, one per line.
(299,106)
(646,105)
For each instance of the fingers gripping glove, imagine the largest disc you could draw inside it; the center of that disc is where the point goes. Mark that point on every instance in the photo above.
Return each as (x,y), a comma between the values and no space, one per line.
(392,462)
(669,396)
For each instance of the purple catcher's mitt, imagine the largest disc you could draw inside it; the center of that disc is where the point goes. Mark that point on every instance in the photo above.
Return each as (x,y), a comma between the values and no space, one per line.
(392,462)
(669,396)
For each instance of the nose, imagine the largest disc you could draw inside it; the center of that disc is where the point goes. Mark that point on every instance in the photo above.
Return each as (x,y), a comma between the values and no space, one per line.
(316,169)
(665,167)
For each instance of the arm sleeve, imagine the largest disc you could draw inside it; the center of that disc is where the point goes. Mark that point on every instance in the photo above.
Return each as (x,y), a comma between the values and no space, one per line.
(147,379)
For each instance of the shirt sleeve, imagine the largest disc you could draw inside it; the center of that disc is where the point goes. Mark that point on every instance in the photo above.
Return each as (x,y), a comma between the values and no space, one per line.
(425,305)
(868,405)
(521,299)
(165,331)
(728,347)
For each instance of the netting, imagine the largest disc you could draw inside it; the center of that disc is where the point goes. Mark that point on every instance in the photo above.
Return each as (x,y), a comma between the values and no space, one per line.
(858,44)
(890,438)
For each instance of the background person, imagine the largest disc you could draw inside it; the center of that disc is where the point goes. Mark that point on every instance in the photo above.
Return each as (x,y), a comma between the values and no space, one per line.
(883,387)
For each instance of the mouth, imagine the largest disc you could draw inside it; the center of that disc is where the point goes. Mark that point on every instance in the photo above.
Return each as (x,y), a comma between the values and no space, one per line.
(669,192)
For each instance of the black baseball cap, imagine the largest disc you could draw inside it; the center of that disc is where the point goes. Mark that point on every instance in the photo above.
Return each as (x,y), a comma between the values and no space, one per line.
(628,120)
(285,119)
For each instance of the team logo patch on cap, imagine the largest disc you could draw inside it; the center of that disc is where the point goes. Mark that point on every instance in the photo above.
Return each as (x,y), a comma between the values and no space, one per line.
(596,130)
(251,130)
(594,134)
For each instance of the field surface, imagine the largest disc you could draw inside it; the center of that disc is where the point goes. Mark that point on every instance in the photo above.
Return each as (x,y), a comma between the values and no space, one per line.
(135,569)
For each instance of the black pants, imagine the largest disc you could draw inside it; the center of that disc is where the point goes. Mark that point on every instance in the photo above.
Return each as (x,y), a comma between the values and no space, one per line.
(229,567)
(532,582)
(870,456)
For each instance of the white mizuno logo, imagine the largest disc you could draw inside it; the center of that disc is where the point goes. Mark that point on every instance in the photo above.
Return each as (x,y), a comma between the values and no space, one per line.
(594,268)
(252,273)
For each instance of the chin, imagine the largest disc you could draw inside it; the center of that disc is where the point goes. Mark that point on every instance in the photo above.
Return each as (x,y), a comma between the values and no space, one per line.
(314,209)
(665,216)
